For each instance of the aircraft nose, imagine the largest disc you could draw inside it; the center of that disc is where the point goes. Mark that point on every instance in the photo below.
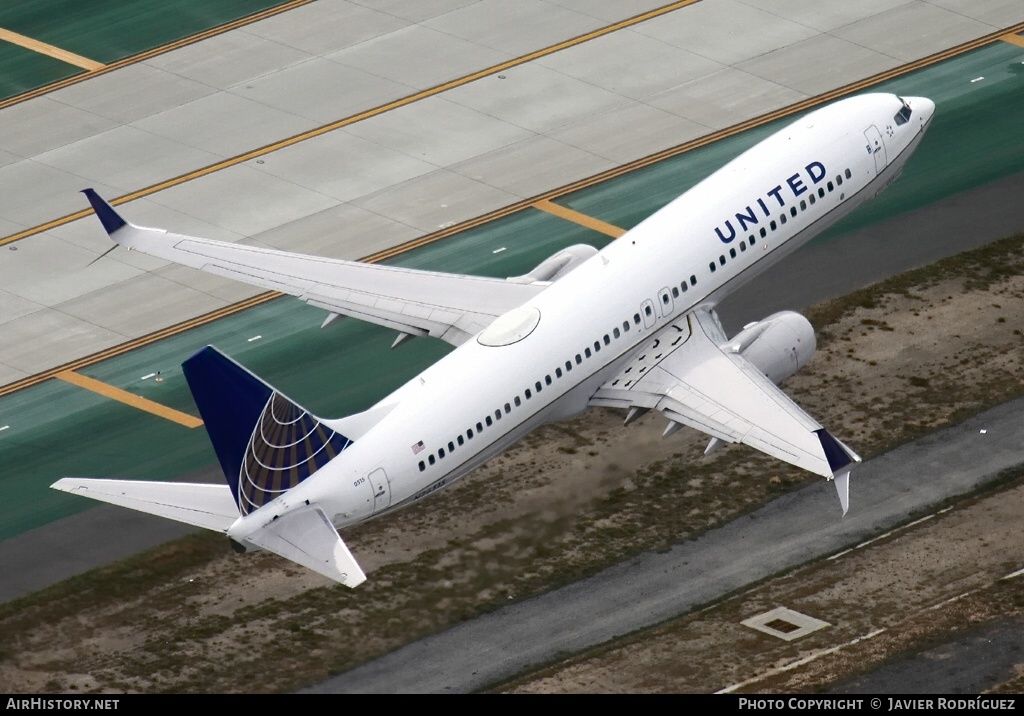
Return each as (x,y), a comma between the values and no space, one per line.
(922,106)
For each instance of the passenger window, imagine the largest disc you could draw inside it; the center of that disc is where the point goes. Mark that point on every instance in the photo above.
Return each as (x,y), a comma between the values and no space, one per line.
(792,211)
(538,386)
(811,199)
(683,286)
(721,259)
(597,346)
(508,408)
(440,453)
(693,279)
(764,232)
(489,421)
(821,193)
(625,326)
(547,379)
(664,299)
(636,318)
(586,352)
(675,294)
(773,225)
(480,428)
(839,179)
(712,266)
(803,205)
(469,433)
(616,332)
(579,359)
(451,447)
(516,400)
(422,466)
(607,340)
(648,310)
(431,460)
(848,174)
(568,366)
(732,253)
(497,414)
(831,186)
(782,218)
(558,372)
(743,246)
(460,440)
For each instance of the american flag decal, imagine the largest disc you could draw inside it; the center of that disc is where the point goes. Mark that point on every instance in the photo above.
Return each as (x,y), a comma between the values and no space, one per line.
(417,448)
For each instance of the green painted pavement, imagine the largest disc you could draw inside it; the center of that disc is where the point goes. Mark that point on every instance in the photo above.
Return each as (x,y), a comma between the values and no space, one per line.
(109,30)
(24,69)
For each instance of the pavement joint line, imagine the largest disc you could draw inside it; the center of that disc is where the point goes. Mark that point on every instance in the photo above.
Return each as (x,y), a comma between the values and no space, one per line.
(1013,575)
(123,396)
(576,217)
(493,215)
(352,119)
(803,105)
(49,50)
(1014,39)
(148,54)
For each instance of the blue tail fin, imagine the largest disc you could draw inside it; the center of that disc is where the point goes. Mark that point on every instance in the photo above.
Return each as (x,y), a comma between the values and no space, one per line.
(266,444)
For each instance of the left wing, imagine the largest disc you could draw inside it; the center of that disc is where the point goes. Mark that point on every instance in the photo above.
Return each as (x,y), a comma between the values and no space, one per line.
(685,373)
(452,307)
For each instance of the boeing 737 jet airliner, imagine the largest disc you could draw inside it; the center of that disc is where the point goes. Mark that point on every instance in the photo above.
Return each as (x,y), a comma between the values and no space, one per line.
(631,326)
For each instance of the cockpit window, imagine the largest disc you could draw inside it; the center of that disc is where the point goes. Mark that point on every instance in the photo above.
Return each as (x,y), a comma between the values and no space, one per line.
(903,116)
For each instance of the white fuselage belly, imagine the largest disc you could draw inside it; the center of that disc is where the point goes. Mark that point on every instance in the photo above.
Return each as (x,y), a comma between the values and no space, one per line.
(448,401)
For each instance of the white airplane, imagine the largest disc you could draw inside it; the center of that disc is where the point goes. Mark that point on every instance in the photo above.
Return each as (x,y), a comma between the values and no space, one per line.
(632,326)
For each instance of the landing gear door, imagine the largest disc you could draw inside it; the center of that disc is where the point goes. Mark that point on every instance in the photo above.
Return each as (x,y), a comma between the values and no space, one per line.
(875,147)
(381,490)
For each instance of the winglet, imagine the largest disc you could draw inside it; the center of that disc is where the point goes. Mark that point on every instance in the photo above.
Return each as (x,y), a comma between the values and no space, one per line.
(843,488)
(110,219)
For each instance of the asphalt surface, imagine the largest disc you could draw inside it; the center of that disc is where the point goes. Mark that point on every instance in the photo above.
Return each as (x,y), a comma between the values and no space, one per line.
(967,664)
(789,531)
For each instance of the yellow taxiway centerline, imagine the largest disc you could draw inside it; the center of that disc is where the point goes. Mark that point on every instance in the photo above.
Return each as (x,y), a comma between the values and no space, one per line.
(49,50)
(123,396)
(577,218)
(1013,39)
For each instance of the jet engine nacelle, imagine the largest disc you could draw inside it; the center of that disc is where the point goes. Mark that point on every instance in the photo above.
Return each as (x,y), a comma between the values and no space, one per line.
(557,265)
(778,345)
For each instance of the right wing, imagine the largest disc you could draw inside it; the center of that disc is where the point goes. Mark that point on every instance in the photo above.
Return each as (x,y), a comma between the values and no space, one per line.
(687,372)
(452,307)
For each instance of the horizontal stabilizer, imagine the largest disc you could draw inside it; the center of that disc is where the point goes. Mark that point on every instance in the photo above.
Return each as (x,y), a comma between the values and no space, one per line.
(208,506)
(305,536)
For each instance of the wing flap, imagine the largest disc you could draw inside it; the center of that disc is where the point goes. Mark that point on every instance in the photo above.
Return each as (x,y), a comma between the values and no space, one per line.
(305,536)
(208,506)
